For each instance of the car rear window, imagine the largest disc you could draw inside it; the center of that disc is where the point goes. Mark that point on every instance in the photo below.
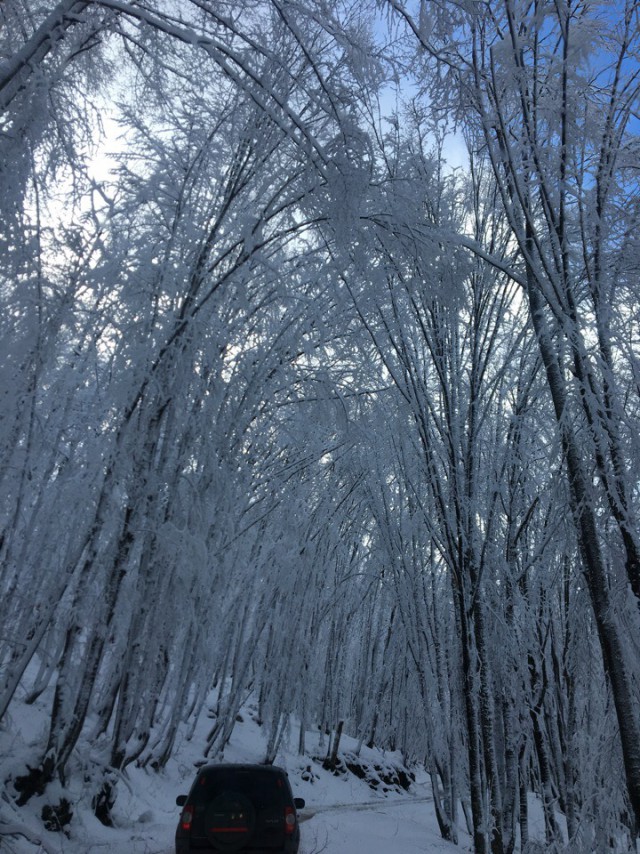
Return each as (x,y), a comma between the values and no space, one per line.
(264,788)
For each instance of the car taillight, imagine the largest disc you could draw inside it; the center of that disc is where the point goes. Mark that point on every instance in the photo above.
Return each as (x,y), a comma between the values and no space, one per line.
(289,819)
(186,818)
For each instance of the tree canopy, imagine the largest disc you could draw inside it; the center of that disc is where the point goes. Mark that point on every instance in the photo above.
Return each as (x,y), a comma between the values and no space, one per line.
(293,406)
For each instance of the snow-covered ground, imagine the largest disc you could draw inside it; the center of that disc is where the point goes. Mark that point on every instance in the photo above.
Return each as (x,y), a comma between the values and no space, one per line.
(342,814)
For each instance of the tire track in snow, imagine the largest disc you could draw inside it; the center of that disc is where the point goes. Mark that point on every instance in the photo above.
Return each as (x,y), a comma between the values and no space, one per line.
(307,814)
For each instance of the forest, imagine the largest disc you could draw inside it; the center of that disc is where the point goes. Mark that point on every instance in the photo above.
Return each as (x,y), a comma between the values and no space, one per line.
(320,383)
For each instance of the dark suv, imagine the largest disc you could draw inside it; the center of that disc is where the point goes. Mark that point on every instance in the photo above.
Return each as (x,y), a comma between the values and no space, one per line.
(248,808)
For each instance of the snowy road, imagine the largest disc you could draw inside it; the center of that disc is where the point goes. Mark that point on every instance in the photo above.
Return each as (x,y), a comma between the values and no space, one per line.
(307,814)
(402,826)
(393,826)
(379,827)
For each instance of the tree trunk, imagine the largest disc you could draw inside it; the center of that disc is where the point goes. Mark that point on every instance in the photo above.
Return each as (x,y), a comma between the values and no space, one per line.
(332,760)
(610,632)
